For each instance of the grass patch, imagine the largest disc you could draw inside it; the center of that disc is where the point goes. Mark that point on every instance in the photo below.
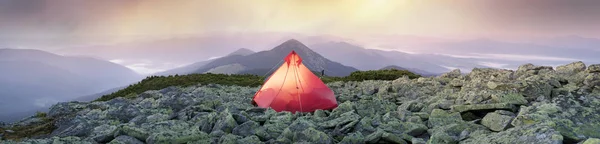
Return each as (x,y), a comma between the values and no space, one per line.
(46,126)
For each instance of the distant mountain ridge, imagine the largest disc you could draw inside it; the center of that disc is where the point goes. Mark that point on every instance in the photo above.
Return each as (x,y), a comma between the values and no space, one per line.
(191,68)
(263,62)
(31,79)
(274,57)
(373,59)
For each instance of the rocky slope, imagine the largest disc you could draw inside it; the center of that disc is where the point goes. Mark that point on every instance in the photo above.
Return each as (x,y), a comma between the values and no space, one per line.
(534,104)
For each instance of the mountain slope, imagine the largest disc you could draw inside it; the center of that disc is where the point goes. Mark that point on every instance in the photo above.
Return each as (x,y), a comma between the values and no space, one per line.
(32,79)
(266,60)
(188,69)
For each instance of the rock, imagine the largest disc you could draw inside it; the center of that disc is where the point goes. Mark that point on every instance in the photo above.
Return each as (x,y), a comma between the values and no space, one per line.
(492,85)
(312,135)
(65,108)
(124,113)
(353,138)
(374,107)
(412,106)
(343,119)
(177,137)
(374,137)
(250,140)
(452,133)
(9,131)
(522,134)
(440,117)
(595,68)
(574,67)
(388,137)
(104,133)
(135,132)
(575,119)
(592,80)
(452,74)
(404,128)
(474,107)
(457,83)
(227,123)
(271,130)
(418,141)
(76,127)
(592,141)
(125,140)
(320,113)
(246,129)
(498,121)
(513,98)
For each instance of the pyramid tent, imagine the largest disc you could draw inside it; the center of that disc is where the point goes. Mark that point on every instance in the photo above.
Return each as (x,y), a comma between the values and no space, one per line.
(293,87)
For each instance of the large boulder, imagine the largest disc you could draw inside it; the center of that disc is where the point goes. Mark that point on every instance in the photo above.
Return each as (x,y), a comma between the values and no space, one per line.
(538,133)
(498,121)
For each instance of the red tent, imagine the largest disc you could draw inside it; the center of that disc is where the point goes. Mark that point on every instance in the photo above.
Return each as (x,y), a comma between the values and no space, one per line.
(293,87)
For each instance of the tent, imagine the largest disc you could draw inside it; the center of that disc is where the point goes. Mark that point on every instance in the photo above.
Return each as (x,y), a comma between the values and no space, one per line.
(293,87)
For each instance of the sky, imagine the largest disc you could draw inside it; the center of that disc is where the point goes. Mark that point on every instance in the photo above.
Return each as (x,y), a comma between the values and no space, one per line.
(56,23)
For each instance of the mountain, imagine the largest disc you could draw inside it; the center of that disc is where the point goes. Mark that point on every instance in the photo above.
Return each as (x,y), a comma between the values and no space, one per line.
(264,61)
(188,69)
(373,59)
(417,71)
(159,54)
(31,79)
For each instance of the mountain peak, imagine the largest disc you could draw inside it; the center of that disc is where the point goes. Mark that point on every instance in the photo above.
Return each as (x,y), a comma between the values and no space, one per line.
(292,44)
(292,41)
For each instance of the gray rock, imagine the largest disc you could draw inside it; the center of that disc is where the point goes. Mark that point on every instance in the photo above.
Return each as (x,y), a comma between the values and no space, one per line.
(571,68)
(497,121)
(353,138)
(125,140)
(250,140)
(104,133)
(440,117)
(595,68)
(246,129)
(124,113)
(66,108)
(227,123)
(524,134)
(177,137)
(452,74)
(475,107)
(592,141)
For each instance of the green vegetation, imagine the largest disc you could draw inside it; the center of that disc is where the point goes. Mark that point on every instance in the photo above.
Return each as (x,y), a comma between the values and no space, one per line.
(41,128)
(388,74)
(160,82)
(40,114)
